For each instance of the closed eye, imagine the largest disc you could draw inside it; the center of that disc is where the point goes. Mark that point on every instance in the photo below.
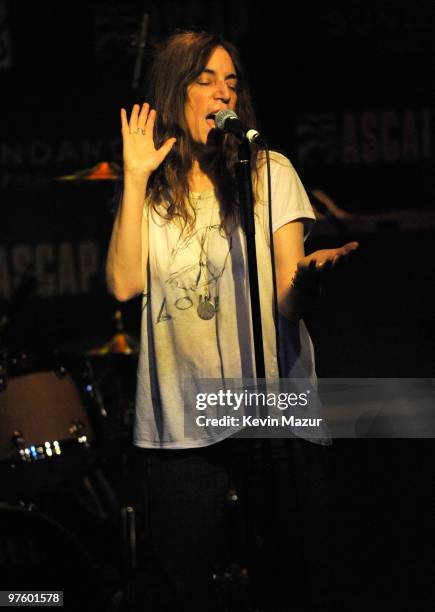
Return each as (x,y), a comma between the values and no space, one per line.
(231,82)
(233,87)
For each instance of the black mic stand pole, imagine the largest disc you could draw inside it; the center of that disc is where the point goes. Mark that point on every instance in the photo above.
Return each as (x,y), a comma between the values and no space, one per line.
(246,207)
(246,201)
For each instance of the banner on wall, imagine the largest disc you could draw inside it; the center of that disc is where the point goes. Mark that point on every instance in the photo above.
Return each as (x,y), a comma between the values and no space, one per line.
(365,137)
(59,234)
(53,243)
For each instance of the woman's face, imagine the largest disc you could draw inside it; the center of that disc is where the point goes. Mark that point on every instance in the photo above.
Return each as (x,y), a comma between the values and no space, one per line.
(212,91)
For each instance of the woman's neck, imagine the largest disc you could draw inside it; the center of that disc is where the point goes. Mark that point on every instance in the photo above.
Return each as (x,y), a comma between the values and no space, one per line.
(198,179)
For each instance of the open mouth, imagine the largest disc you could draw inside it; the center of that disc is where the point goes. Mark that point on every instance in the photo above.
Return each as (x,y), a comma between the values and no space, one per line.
(210,120)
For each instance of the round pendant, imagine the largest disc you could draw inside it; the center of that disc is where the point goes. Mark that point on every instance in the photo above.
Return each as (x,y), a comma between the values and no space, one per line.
(205,309)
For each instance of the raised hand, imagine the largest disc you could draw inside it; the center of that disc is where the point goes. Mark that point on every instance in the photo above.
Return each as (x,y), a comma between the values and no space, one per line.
(326,257)
(140,155)
(313,268)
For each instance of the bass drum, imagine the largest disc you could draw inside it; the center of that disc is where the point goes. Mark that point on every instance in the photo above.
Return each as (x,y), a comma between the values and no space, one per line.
(39,554)
(45,430)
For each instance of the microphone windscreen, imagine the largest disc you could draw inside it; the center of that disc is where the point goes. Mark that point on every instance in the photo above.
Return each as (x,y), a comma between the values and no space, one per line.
(222,116)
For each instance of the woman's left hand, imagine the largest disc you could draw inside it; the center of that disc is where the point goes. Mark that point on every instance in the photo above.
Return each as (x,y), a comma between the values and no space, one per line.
(325,259)
(313,269)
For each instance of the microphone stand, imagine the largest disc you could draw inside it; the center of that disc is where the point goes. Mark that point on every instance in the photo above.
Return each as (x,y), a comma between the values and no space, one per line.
(246,200)
(246,203)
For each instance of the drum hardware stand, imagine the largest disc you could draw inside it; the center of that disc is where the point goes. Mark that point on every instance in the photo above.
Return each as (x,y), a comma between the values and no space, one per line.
(92,387)
(129,557)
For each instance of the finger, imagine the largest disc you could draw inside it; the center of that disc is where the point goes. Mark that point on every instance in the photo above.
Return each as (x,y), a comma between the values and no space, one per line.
(349,247)
(124,121)
(133,118)
(320,264)
(166,147)
(149,127)
(307,270)
(141,121)
(344,258)
(324,266)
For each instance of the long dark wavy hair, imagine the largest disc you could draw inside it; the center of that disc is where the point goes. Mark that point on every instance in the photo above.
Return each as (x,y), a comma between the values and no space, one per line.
(178,62)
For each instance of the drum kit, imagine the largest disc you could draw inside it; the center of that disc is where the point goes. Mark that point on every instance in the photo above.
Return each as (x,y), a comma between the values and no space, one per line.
(66,416)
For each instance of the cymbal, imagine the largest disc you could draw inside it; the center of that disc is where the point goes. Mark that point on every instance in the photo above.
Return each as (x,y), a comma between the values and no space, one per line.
(103,171)
(120,344)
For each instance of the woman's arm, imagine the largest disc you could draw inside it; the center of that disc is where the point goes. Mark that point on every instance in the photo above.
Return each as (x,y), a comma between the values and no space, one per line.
(128,249)
(293,268)
(288,244)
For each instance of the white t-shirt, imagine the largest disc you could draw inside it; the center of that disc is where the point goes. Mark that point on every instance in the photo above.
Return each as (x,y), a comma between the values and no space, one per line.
(177,344)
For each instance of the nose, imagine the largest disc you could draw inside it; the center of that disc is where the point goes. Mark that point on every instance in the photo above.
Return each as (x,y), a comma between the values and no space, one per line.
(222,92)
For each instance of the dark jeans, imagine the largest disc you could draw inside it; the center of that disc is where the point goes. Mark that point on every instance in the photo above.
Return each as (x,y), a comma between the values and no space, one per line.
(184,496)
(184,502)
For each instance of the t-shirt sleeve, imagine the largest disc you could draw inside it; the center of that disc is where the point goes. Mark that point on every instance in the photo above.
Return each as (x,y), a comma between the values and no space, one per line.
(289,198)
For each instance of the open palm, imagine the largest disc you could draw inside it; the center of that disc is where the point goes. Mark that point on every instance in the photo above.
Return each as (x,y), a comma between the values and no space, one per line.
(140,155)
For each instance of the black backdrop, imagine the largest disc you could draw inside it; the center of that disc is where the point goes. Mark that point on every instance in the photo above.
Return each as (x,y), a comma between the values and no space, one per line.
(345,90)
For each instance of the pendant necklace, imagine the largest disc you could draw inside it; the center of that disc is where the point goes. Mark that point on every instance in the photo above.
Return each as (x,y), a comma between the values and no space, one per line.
(206,309)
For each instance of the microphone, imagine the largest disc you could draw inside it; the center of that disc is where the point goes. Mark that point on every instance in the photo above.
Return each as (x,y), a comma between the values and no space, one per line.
(227,121)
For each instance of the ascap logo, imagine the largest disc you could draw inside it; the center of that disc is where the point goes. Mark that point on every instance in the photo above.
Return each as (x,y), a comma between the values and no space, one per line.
(60,269)
(366,137)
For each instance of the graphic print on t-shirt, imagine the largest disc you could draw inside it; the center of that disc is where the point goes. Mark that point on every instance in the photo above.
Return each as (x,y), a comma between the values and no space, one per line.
(196,264)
